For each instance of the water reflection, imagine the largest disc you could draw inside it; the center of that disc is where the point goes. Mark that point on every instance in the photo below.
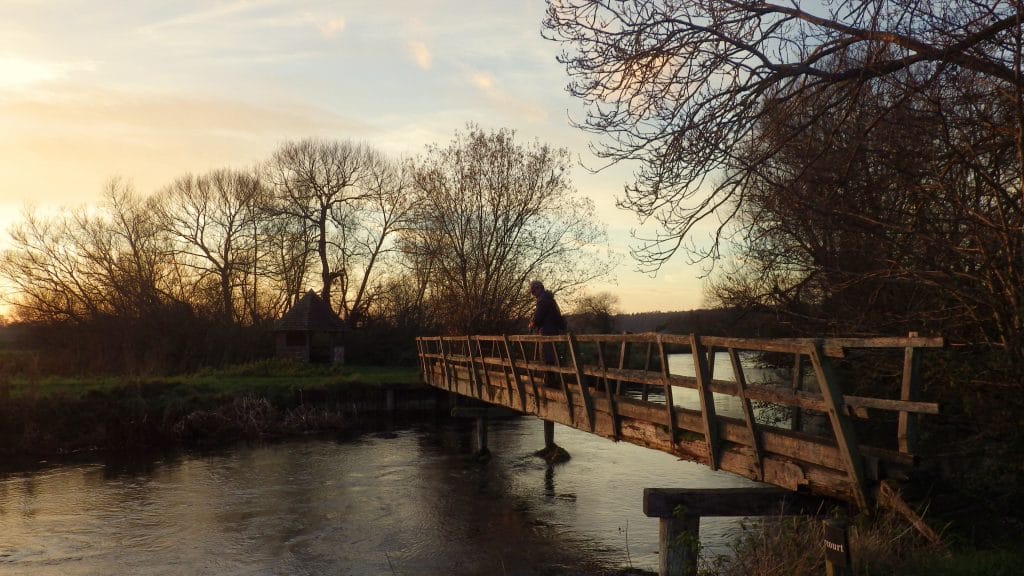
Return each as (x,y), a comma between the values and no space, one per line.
(407,501)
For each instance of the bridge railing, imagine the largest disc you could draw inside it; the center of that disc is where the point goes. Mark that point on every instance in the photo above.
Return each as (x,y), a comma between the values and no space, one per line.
(776,410)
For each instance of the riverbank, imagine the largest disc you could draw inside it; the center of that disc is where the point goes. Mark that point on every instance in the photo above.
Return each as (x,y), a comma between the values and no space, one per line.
(42,417)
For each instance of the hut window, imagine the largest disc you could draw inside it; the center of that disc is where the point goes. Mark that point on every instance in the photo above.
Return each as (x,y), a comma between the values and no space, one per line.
(295,338)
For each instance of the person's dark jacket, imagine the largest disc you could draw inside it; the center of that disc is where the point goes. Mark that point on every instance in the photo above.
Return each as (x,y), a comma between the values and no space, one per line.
(547,318)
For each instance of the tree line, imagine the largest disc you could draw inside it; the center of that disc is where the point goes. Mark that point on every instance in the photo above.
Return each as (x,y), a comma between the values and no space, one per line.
(196,272)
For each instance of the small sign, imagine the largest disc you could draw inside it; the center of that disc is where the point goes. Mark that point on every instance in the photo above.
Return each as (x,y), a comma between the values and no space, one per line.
(837,544)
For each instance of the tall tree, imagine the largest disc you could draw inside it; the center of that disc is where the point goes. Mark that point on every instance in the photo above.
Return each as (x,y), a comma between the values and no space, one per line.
(319,183)
(737,109)
(678,85)
(211,218)
(492,213)
(385,212)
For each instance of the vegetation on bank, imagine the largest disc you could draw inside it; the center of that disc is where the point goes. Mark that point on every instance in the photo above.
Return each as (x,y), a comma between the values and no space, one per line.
(59,415)
(879,544)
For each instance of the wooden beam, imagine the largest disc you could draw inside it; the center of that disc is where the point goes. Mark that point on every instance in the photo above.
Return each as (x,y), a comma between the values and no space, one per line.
(906,431)
(610,394)
(707,400)
(515,374)
(748,411)
(841,426)
(667,383)
(587,402)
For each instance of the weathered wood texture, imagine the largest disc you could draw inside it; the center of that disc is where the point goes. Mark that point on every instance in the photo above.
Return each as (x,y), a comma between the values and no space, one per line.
(633,401)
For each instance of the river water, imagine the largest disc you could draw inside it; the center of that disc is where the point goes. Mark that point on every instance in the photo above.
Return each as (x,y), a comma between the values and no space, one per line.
(403,501)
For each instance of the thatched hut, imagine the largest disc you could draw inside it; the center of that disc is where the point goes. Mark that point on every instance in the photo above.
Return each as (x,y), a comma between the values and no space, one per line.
(310,332)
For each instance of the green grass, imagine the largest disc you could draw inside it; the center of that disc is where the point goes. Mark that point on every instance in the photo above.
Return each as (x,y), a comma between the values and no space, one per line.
(46,416)
(271,377)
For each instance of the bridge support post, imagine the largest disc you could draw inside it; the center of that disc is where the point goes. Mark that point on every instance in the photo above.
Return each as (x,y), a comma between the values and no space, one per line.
(481,436)
(549,434)
(679,511)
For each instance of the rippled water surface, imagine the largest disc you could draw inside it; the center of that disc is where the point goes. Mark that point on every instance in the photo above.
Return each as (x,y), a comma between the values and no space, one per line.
(406,501)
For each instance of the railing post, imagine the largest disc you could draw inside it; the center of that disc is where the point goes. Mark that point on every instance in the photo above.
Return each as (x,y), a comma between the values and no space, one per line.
(666,378)
(748,411)
(515,374)
(907,428)
(707,400)
(588,403)
(846,439)
(837,549)
(796,413)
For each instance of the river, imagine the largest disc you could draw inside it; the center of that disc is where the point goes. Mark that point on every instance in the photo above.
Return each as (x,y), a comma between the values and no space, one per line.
(404,500)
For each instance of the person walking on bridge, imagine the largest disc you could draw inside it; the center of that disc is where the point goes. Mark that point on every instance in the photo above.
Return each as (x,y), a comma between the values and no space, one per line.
(547,318)
(548,321)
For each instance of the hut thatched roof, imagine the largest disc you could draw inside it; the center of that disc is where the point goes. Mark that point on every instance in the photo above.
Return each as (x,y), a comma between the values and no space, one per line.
(310,314)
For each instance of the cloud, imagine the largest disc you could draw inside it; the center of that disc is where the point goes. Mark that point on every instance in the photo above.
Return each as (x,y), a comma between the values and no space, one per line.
(483,81)
(420,53)
(332,27)
(19,73)
(486,83)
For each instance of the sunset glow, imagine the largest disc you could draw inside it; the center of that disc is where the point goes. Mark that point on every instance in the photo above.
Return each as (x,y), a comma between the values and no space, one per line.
(150,91)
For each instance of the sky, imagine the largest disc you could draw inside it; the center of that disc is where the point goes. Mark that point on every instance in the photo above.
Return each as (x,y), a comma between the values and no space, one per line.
(151,90)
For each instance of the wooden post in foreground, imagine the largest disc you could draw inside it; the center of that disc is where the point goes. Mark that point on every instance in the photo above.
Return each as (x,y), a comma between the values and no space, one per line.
(837,549)
(680,510)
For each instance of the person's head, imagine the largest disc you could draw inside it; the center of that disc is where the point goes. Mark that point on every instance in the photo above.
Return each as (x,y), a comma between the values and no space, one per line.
(536,287)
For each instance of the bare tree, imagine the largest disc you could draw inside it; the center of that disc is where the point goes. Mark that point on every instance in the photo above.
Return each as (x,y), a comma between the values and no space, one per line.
(385,212)
(679,85)
(210,217)
(318,183)
(491,214)
(595,313)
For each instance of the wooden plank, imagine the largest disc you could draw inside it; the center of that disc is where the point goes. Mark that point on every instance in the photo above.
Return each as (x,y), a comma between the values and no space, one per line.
(841,426)
(515,374)
(707,400)
(748,411)
(667,383)
(444,363)
(647,368)
(587,402)
(529,374)
(623,353)
(906,430)
(610,393)
(474,377)
(747,501)
(796,414)
(562,382)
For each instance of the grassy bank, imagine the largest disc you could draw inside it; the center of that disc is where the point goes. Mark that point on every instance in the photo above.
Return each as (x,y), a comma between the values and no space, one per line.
(47,416)
(880,544)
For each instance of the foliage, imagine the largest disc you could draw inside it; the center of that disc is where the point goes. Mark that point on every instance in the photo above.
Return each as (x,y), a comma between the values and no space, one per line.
(594,313)
(492,214)
(879,544)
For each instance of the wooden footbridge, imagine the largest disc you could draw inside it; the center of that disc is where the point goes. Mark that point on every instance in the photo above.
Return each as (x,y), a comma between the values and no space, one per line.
(790,412)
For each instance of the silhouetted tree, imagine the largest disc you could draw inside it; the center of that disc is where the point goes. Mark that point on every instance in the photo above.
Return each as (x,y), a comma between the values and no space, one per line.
(211,218)
(490,214)
(595,313)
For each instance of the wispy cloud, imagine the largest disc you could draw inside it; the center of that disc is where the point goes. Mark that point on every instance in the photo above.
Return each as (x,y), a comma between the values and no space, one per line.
(488,85)
(483,81)
(332,27)
(420,54)
(18,73)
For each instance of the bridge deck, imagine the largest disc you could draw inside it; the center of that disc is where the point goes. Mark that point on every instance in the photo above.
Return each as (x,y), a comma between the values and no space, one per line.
(794,427)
